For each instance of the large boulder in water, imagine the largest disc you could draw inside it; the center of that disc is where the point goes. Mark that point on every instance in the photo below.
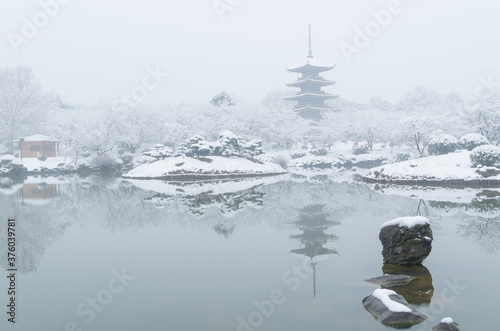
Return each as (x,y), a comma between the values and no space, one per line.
(392,309)
(406,240)
(446,324)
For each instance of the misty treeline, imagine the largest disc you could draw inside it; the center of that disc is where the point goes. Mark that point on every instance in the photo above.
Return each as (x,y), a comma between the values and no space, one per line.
(419,114)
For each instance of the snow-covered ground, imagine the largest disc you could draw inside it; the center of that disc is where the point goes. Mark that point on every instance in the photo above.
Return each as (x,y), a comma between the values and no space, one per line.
(442,167)
(213,166)
(50,163)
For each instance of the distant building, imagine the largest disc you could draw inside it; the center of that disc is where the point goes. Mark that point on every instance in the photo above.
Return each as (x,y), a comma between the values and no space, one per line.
(38,144)
(311,98)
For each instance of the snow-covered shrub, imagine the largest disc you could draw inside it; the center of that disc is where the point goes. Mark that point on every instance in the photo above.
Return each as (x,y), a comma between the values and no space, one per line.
(227,145)
(159,152)
(106,163)
(42,157)
(319,151)
(253,148)
(126,158)
(485,155)
(442,144)
(281,160)
(360,149)
(10,164)
(472,140)
(298,155)
(230,144)
(191,146)
(402,157)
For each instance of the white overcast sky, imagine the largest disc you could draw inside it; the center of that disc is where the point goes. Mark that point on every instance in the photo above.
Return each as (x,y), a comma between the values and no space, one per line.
(94,50)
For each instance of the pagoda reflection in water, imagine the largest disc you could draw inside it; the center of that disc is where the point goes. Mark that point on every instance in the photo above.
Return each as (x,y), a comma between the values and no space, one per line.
(313,223)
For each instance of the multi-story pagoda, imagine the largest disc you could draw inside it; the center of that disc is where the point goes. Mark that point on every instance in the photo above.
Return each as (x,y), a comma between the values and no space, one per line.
(311,98)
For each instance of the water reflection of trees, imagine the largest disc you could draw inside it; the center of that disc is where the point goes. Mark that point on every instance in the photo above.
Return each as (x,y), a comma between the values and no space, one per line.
(480,220)
(116,205)
(226,203)
(477,205)
(484,232)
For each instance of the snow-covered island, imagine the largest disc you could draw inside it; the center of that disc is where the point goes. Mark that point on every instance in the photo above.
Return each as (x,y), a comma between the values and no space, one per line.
(196,159)
(459,169)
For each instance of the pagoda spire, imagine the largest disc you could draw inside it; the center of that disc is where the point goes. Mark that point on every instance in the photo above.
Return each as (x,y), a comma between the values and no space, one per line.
(310,43)
(311,98)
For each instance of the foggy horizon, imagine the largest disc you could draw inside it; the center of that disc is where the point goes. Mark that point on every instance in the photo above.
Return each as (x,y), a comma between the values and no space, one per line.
(90,52)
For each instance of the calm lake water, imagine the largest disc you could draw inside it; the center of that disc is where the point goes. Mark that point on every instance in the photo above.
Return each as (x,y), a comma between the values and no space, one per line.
(109,254)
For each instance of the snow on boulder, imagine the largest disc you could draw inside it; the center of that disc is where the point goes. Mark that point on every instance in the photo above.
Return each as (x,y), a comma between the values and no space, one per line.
(447,320)
(446,324)
(408,222)
(406,240)
(392,309)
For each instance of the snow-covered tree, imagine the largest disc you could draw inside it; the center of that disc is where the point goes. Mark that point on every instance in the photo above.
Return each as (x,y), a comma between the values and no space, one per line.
(421,110)
(222,99)
(21,101)
(484,115)
(136,126)
(159,152)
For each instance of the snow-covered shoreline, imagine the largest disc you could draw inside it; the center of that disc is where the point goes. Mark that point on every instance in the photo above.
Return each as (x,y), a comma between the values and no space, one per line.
(451,170)
(213,167)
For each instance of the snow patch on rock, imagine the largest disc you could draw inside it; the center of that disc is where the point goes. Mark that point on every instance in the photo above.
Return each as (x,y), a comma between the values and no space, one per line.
(395,307)
(408,222)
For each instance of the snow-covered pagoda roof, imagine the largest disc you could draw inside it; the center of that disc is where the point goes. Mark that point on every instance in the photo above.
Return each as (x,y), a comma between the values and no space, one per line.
(315,81)
(312,63)
(309,107)
(323,96)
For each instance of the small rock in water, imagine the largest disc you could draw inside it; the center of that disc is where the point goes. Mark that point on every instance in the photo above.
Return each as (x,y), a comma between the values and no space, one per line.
(446,324)
(392,309)
(391,280)
(406,240)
